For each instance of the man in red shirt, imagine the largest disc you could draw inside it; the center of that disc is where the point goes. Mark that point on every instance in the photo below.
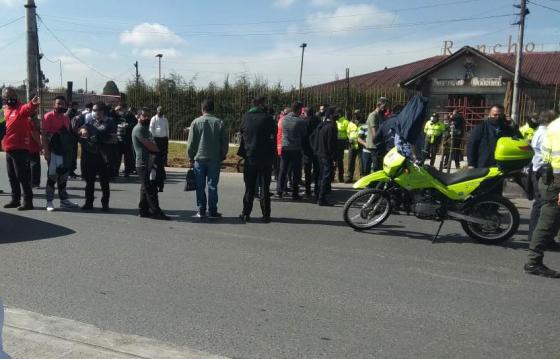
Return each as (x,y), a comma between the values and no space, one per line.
(57,144)
(16,144)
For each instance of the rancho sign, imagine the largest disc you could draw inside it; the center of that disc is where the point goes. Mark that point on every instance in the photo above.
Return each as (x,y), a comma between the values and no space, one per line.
(510,48)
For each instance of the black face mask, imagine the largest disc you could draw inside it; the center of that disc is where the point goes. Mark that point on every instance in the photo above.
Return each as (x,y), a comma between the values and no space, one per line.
(10,102)
(61,110)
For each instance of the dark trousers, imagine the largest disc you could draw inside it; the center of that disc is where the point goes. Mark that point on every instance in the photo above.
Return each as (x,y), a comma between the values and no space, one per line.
(93,166)
(163,145)
(456,154)
(256,175)
(114,156)
(291,160)
(537,205)
(74,163)
(149,202)
(276,165)
(311,169)
(548,223)
(365,168)
(19,175)
(339,158)
(35,167)
(430,150)
(353,154)
(325,178)
(126,155)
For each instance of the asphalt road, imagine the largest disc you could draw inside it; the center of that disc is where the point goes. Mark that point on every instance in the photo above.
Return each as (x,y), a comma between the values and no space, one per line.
(304,286)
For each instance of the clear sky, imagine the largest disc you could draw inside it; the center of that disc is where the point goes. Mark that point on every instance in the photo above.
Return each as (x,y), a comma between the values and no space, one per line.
(207,39)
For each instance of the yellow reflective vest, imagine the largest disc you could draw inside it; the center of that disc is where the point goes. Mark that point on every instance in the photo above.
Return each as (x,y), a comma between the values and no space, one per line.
(353,132)
(527,132)
(434,130)
(342,126)
(551,145)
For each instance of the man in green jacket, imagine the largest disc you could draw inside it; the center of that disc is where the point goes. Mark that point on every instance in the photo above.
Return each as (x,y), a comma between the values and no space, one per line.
(207,147)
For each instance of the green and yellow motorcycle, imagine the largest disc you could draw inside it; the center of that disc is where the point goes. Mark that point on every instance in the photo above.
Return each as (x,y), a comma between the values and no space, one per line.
(472,197)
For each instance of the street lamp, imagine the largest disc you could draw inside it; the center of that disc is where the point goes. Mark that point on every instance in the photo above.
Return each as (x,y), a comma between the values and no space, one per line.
(303,46)
(159,56)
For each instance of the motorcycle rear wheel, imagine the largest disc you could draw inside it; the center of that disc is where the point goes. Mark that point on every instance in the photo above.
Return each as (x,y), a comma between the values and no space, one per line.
(367,209)
(496,208)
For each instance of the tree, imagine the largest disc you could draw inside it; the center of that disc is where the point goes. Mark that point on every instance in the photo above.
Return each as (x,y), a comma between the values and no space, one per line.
(111,88)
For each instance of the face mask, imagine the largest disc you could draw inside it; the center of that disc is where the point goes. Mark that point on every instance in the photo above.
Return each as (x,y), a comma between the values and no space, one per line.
(61,110)
(11,102)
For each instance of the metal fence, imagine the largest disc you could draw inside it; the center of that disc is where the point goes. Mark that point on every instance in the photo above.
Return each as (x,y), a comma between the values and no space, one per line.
(182,105)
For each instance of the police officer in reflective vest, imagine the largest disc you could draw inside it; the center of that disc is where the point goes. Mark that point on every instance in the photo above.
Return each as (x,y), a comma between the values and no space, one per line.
(354,150)
(433,131)
(548,223)
(342,144)
(528,129)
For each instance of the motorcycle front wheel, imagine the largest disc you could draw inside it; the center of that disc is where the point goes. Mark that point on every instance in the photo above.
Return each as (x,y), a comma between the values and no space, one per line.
(367,209)
(500,211)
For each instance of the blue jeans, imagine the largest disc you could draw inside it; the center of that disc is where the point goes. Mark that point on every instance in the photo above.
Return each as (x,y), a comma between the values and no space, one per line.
(366,163)
(207,172)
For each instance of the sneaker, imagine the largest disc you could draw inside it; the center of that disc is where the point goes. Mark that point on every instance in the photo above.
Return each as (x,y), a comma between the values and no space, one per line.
(65,203)
(50,206)
(200,214)
(215,215)
(266,219)
(540,270)
(26,207)
(12,204)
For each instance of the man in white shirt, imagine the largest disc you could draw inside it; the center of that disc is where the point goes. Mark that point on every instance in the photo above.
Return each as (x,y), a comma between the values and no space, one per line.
(159,128)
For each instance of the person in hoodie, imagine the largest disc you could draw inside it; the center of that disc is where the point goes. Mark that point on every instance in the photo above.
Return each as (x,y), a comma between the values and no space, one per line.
(483,138)
(16,144)
(294,130)
(324,142)
(258,131)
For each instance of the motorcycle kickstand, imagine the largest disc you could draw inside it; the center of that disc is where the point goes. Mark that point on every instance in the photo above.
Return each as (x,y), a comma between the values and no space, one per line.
(438,230)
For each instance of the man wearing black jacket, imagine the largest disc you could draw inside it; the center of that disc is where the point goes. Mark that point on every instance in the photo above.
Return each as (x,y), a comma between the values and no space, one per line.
(258,135)
(483,139)
(310,161)
(324,142)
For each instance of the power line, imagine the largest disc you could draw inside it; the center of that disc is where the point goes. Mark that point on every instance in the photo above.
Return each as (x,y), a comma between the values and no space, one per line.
(544,6)
(307,32)
(70,51)
(297,20)
(12,41)
(11,22)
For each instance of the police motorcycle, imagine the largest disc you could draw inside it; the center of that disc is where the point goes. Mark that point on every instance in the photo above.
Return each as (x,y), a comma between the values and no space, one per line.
(467,196)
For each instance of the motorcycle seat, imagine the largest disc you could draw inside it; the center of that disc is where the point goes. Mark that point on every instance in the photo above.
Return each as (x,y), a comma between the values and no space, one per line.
(449,179)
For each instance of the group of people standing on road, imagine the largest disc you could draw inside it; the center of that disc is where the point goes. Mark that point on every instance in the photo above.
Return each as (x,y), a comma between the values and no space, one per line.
(104,136)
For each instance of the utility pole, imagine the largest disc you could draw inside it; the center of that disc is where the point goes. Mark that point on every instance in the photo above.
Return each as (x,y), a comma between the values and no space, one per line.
(159,56)
(86,85)
(137,75)
(303,46)
(33,63)
(518,62)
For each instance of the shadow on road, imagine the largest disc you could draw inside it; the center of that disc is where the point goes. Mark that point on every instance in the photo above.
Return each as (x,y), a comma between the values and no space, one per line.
(14,229)
(452,238)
